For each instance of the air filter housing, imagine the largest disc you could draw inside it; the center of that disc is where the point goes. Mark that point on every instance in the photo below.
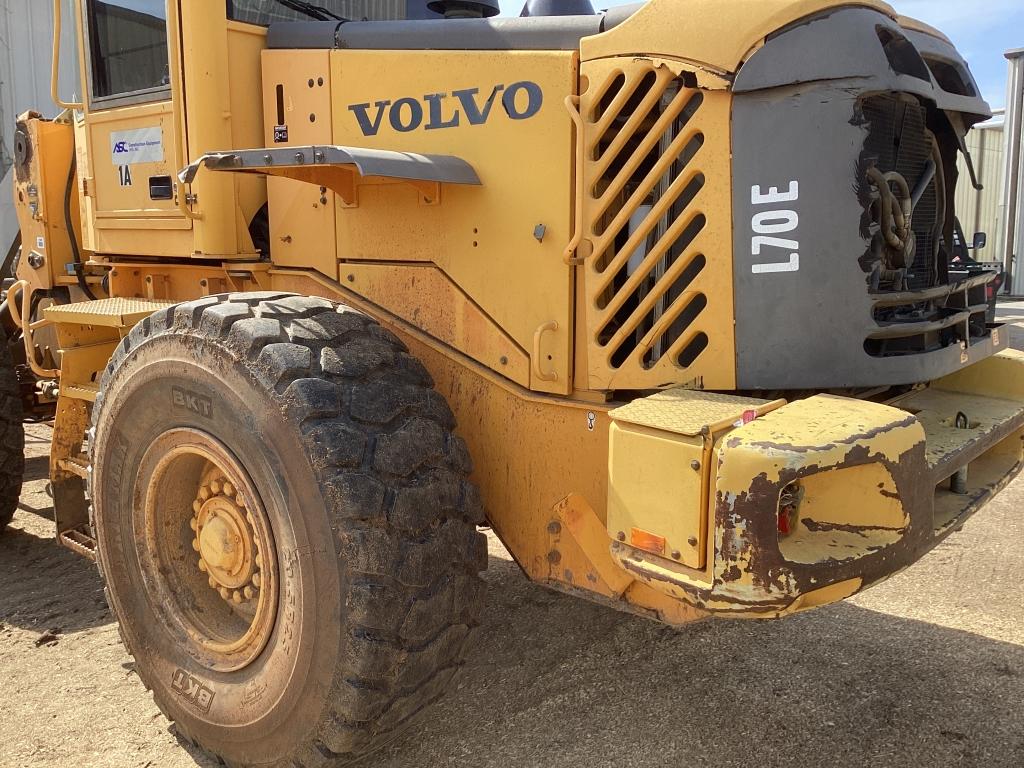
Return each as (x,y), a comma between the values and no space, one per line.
(465,9)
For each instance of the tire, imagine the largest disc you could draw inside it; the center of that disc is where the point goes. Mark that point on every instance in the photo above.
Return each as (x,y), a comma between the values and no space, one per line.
(365,489)
(12,436)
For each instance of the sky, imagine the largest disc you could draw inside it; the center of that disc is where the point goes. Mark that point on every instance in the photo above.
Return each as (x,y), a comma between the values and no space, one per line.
(981,29)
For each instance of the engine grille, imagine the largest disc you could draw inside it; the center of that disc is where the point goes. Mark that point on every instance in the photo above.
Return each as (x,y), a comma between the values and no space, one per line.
(898,140)
(655,176)
(922,311)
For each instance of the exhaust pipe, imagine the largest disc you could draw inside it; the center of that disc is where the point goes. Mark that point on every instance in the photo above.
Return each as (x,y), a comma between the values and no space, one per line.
(465,9)
(558,8)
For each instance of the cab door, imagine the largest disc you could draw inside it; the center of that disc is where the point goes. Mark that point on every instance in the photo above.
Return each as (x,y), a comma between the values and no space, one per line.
(135,141)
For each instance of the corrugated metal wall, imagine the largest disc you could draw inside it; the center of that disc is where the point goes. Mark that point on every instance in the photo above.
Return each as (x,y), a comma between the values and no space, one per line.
(979,211)
(26,34)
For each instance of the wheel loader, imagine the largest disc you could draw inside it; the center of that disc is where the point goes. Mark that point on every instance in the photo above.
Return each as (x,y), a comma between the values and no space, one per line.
(312,293)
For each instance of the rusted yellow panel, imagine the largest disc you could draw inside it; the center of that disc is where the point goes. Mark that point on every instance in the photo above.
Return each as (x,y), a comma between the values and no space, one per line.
(302,216)
(429,298)
(656,242)
(712,33)
(502,242)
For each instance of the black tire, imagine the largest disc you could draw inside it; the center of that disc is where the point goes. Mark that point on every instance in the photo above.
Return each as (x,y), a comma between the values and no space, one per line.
(12,436)
(329,413)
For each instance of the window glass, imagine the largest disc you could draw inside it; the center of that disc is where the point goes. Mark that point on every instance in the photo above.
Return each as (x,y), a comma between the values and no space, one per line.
(267,12)
(128,46)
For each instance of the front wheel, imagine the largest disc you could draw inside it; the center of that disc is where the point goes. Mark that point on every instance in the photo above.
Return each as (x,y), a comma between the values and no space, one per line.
(285,527)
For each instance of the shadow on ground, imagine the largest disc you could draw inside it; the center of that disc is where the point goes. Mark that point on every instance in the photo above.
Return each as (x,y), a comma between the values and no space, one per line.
(559,682)
(31,568)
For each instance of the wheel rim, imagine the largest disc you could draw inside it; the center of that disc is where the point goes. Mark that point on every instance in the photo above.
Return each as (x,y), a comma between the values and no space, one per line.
(206,549)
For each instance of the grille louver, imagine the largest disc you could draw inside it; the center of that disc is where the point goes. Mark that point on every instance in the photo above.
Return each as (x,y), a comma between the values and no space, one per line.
(657,218)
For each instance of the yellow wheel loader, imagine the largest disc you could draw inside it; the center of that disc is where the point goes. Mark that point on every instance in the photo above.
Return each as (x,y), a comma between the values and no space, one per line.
(311,292)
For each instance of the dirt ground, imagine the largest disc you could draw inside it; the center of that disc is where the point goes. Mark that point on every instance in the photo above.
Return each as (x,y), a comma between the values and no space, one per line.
(924,670)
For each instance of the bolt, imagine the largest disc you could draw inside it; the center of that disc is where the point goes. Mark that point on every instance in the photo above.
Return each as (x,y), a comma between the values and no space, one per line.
(268,159)
(554,527)
(311,82)
(299,158)
(554,557)
(692,541)
(351,278)
(621,535)
(695,465)
(676,554)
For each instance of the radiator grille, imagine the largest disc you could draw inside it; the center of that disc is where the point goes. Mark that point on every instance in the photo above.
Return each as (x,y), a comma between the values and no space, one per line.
(898,141)
(658,223)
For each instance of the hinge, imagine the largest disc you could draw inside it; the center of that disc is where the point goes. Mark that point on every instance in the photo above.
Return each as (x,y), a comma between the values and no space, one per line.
(87,187)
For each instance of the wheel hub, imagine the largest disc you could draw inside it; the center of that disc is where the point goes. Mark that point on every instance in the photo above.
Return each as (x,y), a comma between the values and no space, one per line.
(228,549)
(208,551)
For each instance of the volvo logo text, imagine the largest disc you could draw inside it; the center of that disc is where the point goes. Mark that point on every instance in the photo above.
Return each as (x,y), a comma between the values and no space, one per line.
(520,101)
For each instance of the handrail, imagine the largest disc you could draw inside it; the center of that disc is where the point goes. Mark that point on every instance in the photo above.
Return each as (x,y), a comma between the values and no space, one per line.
(22,316)
(572,103)
(55,72)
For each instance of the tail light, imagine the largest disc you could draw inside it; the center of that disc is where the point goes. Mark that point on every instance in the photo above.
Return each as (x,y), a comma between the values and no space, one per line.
(789,503)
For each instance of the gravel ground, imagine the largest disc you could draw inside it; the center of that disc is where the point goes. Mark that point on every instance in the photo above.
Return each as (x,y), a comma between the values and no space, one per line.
(926,669)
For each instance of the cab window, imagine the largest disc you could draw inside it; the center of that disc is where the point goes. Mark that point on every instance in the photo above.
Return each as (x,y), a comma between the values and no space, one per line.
(128,48)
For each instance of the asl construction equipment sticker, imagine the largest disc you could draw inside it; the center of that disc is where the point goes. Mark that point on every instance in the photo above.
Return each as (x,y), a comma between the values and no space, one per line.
(141,145)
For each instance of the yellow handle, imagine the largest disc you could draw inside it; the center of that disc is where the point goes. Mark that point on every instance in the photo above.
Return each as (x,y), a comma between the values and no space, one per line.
(538,369)
(55,73)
